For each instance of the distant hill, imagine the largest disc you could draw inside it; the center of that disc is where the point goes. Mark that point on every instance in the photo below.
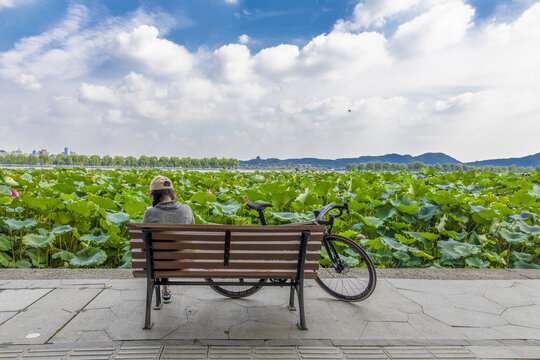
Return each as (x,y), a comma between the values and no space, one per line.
(531,160)
(427,158)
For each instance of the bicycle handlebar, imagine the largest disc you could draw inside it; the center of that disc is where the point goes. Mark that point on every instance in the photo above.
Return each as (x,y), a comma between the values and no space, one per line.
(320,213)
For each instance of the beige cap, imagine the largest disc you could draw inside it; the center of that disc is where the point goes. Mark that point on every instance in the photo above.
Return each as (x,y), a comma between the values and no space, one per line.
(160,182)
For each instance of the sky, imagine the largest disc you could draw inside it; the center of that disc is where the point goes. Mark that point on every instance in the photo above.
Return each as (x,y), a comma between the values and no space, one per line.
(271,78)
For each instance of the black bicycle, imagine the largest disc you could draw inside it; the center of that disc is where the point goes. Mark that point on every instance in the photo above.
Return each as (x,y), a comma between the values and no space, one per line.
(346,272)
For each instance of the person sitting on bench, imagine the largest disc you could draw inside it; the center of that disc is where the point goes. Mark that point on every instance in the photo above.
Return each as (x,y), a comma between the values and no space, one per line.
(166,210)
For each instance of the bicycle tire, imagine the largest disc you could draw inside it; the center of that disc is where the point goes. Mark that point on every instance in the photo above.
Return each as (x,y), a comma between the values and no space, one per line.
(338,280)
(236,291)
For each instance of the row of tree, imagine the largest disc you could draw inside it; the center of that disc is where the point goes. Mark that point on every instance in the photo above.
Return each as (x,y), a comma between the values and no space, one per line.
(417,166)
(96,160)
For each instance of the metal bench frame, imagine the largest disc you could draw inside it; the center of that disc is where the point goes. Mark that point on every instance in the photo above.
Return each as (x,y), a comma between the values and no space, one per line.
(153,283)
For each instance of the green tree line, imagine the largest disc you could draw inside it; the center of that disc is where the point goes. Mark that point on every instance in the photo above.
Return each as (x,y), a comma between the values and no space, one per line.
(112,161)
(417,166)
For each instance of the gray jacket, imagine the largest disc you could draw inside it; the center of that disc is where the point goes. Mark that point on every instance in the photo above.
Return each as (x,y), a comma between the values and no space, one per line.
(169,212)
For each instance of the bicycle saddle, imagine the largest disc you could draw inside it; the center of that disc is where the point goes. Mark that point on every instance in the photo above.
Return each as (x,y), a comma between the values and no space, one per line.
(258,206)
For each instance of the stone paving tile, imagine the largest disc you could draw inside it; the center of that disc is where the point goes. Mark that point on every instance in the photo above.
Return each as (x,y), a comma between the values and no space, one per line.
(229,352)
(317,352)
(493,352)
(363,352)
(43,318)
(91,354)
(19,299)
(275,352)
(138,352)
(6,315)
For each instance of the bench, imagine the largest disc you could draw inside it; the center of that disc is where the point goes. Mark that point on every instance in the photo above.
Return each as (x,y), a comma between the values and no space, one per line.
(214,254)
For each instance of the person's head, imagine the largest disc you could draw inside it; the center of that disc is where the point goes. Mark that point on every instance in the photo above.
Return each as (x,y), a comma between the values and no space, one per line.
(161,188)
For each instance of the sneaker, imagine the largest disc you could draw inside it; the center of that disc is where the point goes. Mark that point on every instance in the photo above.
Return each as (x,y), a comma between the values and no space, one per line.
(166,297)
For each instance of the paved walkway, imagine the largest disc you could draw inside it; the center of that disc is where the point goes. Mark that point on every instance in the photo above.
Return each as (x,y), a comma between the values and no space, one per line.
(411,315)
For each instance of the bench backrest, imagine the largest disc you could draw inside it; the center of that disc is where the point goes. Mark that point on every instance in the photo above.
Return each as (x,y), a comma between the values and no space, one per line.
(198,251)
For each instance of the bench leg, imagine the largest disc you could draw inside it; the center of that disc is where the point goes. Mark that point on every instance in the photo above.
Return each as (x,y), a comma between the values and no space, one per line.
(149,291)
(158,298)
(300,291)
(291,300)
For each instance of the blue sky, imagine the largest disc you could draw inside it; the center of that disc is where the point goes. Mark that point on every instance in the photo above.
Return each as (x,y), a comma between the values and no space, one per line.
(273,78)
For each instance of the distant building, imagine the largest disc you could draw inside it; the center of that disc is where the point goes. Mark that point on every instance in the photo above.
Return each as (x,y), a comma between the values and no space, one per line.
(43,151)
(17,152)
(72,153)
(3,153)
(66,152)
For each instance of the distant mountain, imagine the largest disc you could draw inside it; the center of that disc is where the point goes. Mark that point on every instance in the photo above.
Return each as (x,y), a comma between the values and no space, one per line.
(427,158)
(526,161)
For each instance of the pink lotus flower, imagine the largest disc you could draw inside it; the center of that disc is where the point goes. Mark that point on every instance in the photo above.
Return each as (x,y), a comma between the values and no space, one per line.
(463,230)
(14,194)
(245,198)
(125,185)
(360,236)
(208,191)
(122,209)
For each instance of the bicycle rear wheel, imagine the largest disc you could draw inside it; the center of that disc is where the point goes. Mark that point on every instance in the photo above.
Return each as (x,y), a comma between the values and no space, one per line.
(349,274)
(236,291)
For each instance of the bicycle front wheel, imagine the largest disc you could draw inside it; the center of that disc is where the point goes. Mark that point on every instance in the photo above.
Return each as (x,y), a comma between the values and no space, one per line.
(347,273)
(236,291)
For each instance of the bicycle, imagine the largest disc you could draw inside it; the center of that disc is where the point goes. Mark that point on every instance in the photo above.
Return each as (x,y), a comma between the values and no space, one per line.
(350,274)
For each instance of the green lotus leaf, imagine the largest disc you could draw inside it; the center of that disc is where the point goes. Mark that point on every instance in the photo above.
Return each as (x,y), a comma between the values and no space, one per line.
(526,228)
(512,237)
(6,260)
(402,256)
(483,212)
(524,215)
(408,209)
(523,265)
(441,197)
(286,216)
(23,264)
(117,218)
(535,191)
(61,229)
(402,239)
(64,255)
(19,224)
(89,256)
(493,256)
(9,180)
(228,208)
(100,239)
(83,208)
(385,211)
(5,243)
(426,212)
(5,190)
(202,197)
(477,262)
(372,221)
(520,256)
(27,177)
(134,208)
(104,203)
(37,241)
(394,244)
(452,249)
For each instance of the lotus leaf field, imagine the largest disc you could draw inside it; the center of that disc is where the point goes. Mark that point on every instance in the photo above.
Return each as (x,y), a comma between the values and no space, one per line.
(76,217)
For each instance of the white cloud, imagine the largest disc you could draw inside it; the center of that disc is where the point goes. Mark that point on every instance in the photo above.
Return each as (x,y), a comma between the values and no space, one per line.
(443,25)
(232,2)
(433,81)
(374,13)
(97,94)
(160,56)
(11,3)
(243,39)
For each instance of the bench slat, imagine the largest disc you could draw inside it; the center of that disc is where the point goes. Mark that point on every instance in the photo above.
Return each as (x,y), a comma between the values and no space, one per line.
(211,245)
(234,255)
(222,228)
(240,274)
(218,265)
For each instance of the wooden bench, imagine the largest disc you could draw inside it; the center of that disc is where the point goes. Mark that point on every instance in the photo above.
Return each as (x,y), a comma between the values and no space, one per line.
(161,252)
